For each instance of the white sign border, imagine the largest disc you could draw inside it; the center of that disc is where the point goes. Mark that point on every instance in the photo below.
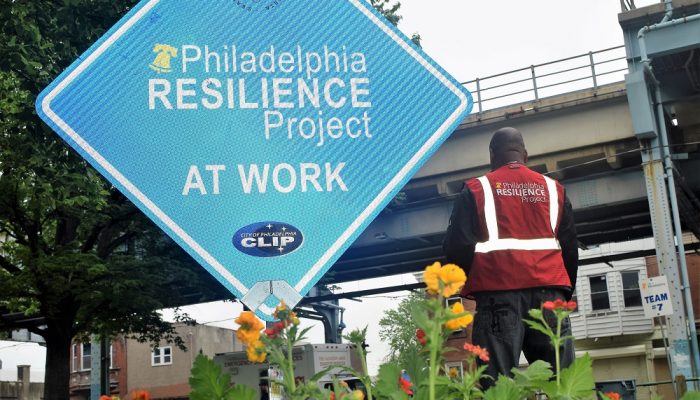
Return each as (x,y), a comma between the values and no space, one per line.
(213,262)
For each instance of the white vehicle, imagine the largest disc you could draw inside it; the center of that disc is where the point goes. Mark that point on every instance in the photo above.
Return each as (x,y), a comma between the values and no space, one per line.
(309,359)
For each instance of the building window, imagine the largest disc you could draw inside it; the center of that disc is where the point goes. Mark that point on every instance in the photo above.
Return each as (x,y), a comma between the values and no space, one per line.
(599,293)
(456,368)
(74,356)
(162,356)
(630,289)
(86,357)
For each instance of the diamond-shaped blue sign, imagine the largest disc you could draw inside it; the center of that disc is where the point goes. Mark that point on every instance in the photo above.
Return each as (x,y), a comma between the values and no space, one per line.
(262,135)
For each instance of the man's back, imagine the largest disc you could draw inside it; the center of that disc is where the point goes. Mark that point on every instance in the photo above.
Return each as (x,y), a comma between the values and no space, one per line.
(518,212)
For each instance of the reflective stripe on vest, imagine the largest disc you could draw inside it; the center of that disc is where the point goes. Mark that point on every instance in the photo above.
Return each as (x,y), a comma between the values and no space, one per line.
(496,243)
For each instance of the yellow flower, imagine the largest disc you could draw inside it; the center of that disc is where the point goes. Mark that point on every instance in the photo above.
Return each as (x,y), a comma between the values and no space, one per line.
(446,280)
(250,327)
(280,310)
(356,395)
(453,373)
(431,277)
(453,279)
(458,322)
(256,352)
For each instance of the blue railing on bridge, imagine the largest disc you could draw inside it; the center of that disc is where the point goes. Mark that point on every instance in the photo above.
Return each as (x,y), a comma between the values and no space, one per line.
(585,71)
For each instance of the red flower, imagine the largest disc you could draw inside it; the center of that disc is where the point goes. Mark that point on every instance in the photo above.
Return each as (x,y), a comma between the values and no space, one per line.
(420,335)
(612,395)
(559,304)
(141,395)
(271,333)
(478,351)
(406,386)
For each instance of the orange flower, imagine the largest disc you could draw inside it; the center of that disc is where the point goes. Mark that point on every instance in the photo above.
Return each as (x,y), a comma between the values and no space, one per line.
(105,397)
(247,336)
(446,280)
(453,373)
(612,395)
(141,395)
(458,322)
(477,351)
(256,352)
(250,327)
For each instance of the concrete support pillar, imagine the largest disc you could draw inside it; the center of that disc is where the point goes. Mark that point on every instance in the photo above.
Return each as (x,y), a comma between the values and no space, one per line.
(667,257)
(24,381)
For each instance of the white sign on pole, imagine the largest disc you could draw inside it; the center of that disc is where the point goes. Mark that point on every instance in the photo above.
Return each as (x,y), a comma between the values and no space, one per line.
(656,298)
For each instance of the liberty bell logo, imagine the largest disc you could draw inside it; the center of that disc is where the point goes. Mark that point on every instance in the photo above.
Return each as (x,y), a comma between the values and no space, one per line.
(164,53)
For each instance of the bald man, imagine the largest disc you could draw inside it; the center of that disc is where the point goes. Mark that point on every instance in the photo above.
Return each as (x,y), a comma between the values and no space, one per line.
(512,231)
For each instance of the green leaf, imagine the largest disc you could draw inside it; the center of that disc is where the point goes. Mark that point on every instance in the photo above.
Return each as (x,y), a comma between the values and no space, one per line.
(577,380)
(691,396)
(415,363)
(207,380)
(536,374)
(388,379)
(241,392)
(540,327)
(504,389)
(420,316)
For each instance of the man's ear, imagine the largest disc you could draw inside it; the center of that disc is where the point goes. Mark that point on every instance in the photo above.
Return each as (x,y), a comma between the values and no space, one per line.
(525,156)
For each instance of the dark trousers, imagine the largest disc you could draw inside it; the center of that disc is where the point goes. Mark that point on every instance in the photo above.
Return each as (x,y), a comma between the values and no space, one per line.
(499,327)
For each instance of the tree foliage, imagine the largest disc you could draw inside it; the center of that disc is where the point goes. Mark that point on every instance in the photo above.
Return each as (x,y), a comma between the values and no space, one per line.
(397,330)
(72,248)
(391,13)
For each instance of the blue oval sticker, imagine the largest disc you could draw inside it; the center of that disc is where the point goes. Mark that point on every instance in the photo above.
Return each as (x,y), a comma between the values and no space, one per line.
(267,239)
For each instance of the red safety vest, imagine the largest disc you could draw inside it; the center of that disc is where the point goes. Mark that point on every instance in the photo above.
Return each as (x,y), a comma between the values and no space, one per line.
(519,212)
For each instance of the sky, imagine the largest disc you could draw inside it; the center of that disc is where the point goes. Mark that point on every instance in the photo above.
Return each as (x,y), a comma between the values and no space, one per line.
(469,39)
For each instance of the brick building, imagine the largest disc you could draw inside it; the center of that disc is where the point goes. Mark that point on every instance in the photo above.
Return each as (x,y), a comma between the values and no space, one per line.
(164,371)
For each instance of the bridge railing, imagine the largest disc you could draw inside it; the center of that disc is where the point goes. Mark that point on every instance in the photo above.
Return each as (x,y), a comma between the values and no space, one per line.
(583,71)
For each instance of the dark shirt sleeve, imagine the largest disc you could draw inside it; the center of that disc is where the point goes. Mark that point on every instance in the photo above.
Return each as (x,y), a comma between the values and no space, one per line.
(462,232)
(568,242)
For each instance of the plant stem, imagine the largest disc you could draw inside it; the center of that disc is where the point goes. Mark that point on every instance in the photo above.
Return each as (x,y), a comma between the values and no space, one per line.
(365,373)
(290,363)
(435,343)
(557,344)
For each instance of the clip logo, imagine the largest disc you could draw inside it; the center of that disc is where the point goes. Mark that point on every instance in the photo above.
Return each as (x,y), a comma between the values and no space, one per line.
(164,52)
(267,239)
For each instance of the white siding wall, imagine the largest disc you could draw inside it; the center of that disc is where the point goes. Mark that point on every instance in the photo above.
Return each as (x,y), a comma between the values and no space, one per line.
(617,320)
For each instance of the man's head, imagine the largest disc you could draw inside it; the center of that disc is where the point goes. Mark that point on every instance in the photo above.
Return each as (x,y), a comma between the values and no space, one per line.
(506,146)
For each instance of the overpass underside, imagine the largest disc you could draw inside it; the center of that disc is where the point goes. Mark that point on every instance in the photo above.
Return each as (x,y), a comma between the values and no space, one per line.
(584,139)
